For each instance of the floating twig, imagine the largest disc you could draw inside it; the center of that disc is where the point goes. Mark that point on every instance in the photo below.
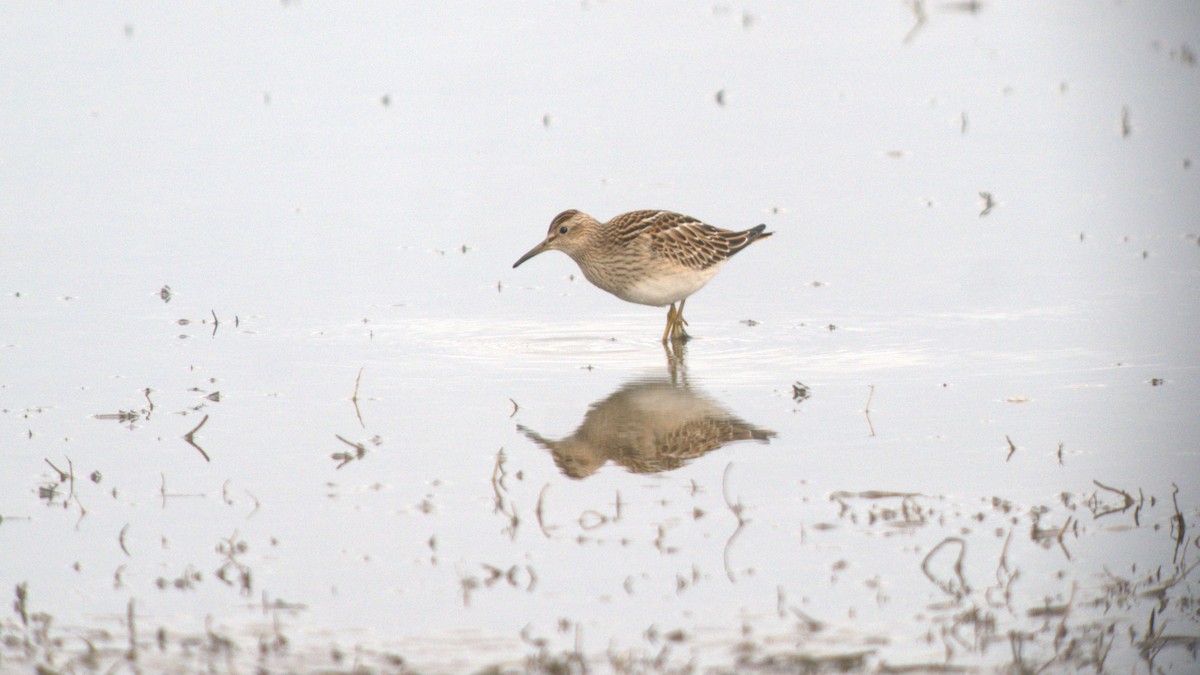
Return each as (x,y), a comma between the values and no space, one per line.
(121,540)
(918,10)
(988,203)
(120,416)
(1011,448)
(345,458)
(354,399)
(62,475)
(190,438)
(257,505)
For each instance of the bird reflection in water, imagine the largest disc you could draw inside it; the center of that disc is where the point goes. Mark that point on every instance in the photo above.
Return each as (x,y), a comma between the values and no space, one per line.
(647,426)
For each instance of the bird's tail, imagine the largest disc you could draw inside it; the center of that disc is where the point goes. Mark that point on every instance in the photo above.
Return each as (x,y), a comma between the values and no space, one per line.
(740,240)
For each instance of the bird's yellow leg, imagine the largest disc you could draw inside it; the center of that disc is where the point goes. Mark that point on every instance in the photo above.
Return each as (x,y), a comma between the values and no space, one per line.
(679,333)
(675,323)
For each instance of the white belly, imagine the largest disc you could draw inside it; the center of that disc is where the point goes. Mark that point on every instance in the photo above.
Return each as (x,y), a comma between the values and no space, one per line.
(664,290)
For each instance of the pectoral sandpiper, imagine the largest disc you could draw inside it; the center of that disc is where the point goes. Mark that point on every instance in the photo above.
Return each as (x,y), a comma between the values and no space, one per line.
(654,258)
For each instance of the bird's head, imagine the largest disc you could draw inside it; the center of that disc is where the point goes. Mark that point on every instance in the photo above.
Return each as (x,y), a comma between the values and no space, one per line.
(569,232)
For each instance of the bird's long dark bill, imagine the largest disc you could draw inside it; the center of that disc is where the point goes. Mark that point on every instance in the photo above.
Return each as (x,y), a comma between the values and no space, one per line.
(532,252)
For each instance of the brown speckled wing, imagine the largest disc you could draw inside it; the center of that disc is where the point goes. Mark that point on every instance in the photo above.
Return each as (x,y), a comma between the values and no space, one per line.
(683,239)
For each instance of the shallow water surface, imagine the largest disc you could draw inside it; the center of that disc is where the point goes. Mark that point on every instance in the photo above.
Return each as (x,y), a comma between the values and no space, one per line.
(272,397)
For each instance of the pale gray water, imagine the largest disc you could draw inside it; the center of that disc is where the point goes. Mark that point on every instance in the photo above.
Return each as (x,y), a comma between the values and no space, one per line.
(345,190)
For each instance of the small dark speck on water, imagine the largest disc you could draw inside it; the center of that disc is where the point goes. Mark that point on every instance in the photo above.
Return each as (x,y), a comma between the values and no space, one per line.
(720,97)
(165,293)
(386,100)
(831,327)
(546,120)
(988,203)
(750,322)
(800,391)
(1184,55)
(1157,382)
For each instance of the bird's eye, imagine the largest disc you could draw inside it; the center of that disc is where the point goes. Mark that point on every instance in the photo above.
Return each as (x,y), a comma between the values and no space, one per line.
(562,230)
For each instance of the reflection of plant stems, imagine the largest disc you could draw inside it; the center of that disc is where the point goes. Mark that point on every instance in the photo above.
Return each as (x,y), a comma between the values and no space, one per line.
(948,588)
(867,411)
(1128,501)
(809,622)
(498,475)
(538,511)
(1178,526)
(132,654)
(1059,537)
(736,510)
(1009,576)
